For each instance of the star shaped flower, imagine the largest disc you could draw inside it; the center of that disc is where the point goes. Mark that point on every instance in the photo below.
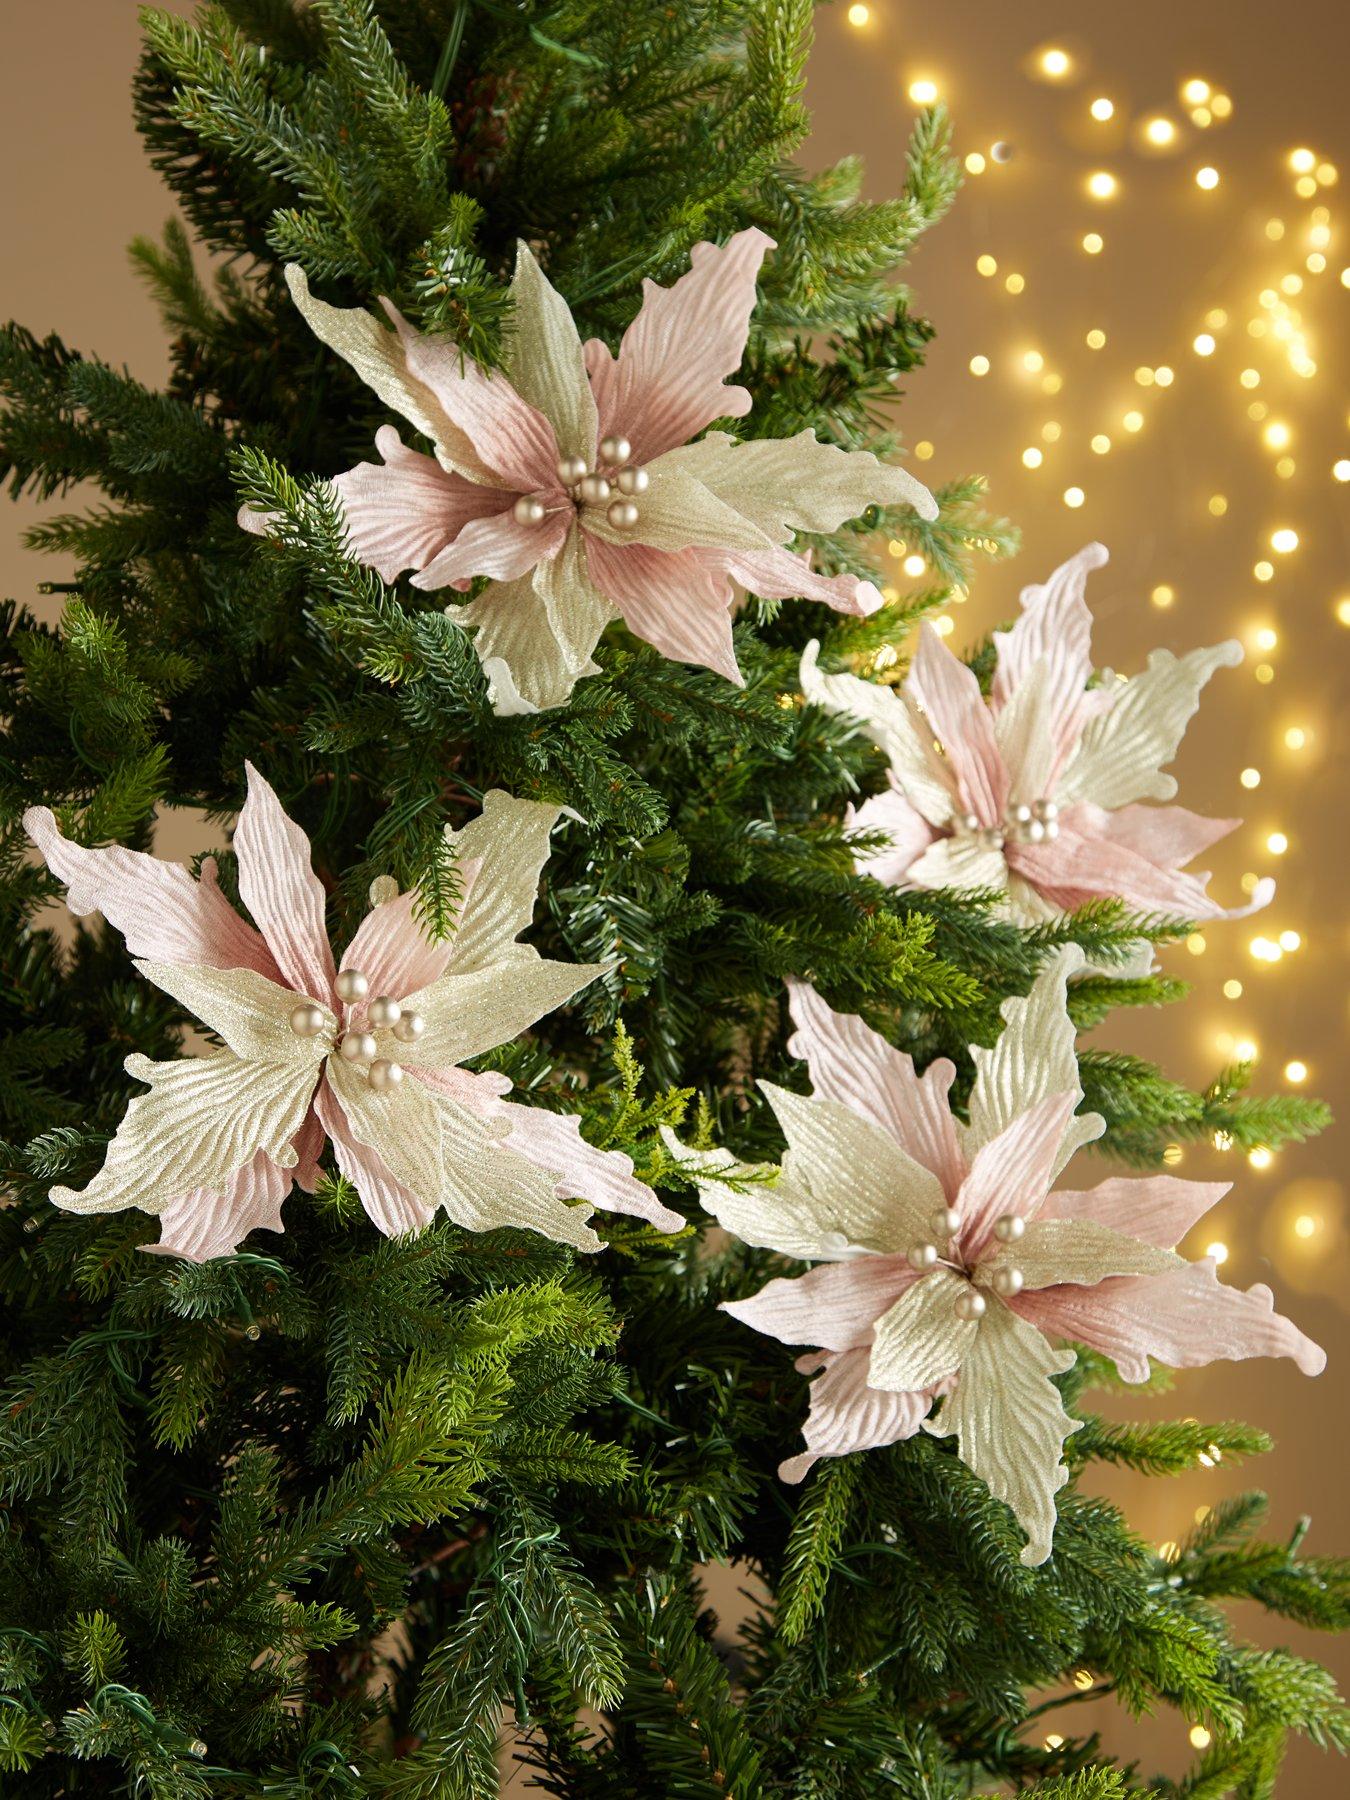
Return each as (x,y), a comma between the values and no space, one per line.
(364,1054)
(1035,792)
(947,1271)
(570,481)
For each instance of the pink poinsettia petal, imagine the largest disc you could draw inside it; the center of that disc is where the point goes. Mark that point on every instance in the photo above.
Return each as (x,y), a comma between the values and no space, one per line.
(391,948)
(909,832)
(1012,1172)
(1055,627)
(280,889)
(853,1064)
(670,599)
(206,1223)
(402,512)
(309,1143)
(668,379)
(778,574)
(512,437)
(553,1141)
(1186,1318)
(1155,1209)
(164,915)
(499,547)
(393,1208)
(950,696)
(1073,869)
(1166,835)
(835,1304)
(847,1415)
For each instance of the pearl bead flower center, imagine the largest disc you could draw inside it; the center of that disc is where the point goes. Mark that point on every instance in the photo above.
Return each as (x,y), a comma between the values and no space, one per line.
(1034,823)
(358,1042)
(1005,1280)
(614,483)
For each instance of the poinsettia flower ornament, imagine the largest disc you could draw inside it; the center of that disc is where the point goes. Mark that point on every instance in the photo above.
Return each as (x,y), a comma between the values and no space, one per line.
(1035,793)
(364,1054)
(948,1272)
(569,478)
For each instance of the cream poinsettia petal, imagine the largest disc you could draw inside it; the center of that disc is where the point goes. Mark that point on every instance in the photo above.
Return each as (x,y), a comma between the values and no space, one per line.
(526,669)
(893,726)
(509,844)
(961,862)
(203,1119)
(467,1014)
(1033,1058)
(1024,733)
(401,1125)
(1078,1253)
(678,513)
(1122,751)
(1009,1421)
(378,357)
(543,359)
(769,1211)
(861,1181)
(576,611)
(921,1341)
(798,483)
(251,1013)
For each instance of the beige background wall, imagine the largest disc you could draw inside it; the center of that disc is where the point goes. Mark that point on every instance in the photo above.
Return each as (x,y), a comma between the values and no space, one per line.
(77,189)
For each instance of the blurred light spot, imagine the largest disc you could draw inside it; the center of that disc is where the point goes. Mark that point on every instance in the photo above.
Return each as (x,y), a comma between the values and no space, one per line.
(975,163)
(1093,241)
(1302,162)
(1260,1158)
(1172,1155)
(1100,444)
(979,365)
(986,265)
(1196,91)
(1207,178)
(1232,990)
(1277,435)
(1250,378)
(1144,375)
(1221,106)
(1074,496)
(1291,941)
(1015,283)
(1218,1250)
(1102,109)
(1305,1226)
(1101,184)
(1163,595)
(1163,375)
(1199,1737)
(1050,432)
(1284,541)
(1133,421)
(1218,505)
(1296,737)
(1051,384)
(1204,344)
(1266,638)
(1264,673)
(1160,131)
(1095,339)
(1032,361)
(1277,843)
(1341,470)
(923,450)
(1342,611)
(1032,458)
(1296,1072)
(859,15)
(1055,63)
(1250,778)
(923,92)
(1195,943)
(1263,571)
(914,565)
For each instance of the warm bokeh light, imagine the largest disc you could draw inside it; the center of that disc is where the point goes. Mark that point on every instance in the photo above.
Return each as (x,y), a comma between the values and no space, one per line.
(1207,177)
(924,91)
(1160,132)
(1074,496)
(1102,109)
(1102,185)
(1093,243)
(1055,63)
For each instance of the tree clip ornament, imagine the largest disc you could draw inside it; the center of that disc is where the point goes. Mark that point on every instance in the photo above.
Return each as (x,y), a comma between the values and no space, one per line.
(948,1273)
(363,1055)
(570,480)
(1034,793)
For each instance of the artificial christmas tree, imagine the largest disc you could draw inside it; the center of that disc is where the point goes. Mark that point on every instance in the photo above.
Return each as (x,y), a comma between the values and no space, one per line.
(321,1509)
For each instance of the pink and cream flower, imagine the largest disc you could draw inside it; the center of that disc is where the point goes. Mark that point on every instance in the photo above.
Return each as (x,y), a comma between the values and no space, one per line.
(363,1054)
(571,482)
(949,1271)
(1036,792)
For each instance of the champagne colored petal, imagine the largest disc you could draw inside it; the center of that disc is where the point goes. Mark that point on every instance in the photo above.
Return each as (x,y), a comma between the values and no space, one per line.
(895,727)
(920,1340)
(544,362)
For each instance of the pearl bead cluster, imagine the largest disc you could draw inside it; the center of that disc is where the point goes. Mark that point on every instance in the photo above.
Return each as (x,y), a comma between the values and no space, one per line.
(1005,1281)
(595,487)
(361,1046)
(1037,823)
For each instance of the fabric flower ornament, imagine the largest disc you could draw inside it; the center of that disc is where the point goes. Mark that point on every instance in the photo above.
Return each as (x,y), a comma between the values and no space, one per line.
(364,1054)
(569,479)
(947,1269)
(1035,792)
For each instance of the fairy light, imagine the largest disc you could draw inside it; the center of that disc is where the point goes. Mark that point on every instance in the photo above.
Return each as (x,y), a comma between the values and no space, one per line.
(1051,383)
(1263,571)
(1221,105)
(1102,109)
(1199,1737)
(923,450)
(1305,187)
(1095,339)
(1274,230)
(1340,471)
(975,163)
(1284,541)
(1305,1226)
(1196,944)
(924,91)
(1207,178)
(1250,378)
(1050,434)
(1102,185)
(1196,91)
(1163,375)
(1218,505)
(1055,63)
(1032,458)
(1302,162)
(1277,843)
(1160,132)
(1296,737)
(1144,375)
(1277,435)
(1015,283)
(1232,989)
(1100,444)
(1245,1050)
(1264,674)
(1327,174)
(1163,596)
(1250,778)
(1218,1250)
(1093,243)
(1133,421)
(1204,344)
(1266,637)
(986,265)
(1082,1680)
(979,365)
(1261,1157)
(1074,497)
(1032,361)
(1341,609)
(1290,941)
(914,565)
(859,16)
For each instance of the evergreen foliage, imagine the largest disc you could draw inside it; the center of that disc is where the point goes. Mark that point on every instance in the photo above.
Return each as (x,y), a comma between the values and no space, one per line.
(326,1516)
